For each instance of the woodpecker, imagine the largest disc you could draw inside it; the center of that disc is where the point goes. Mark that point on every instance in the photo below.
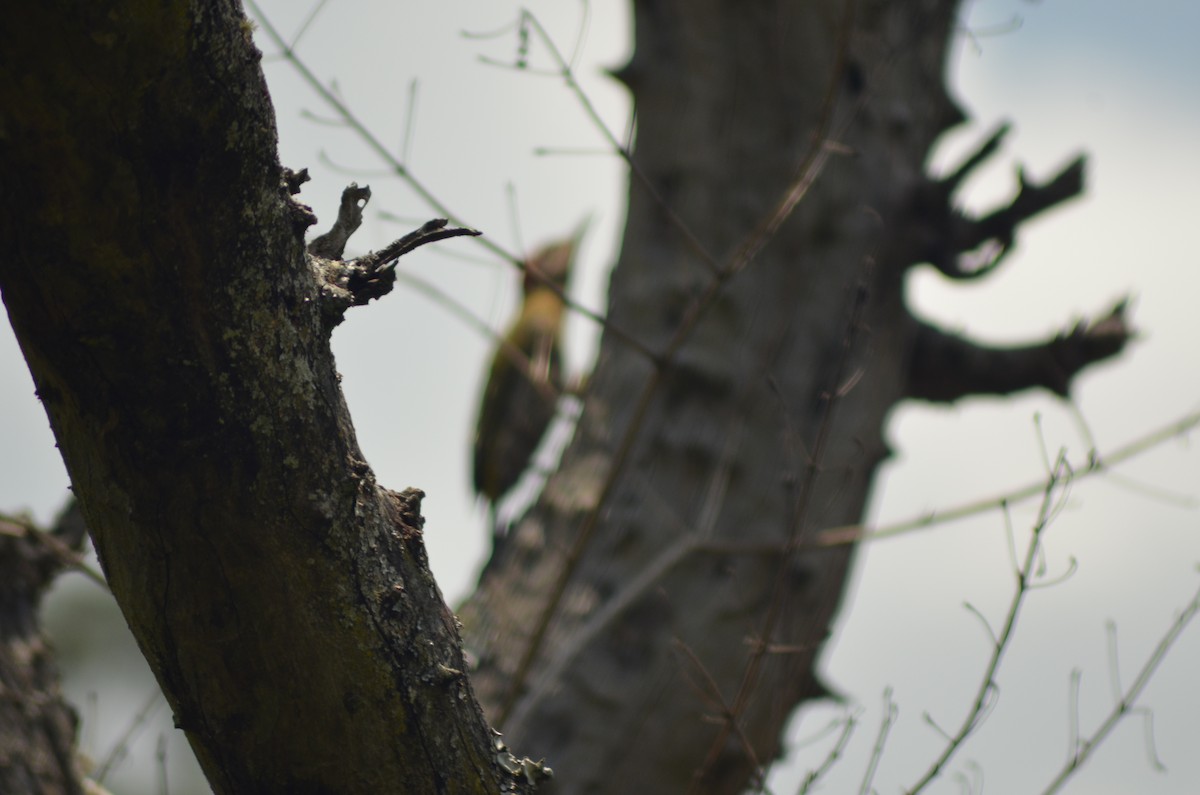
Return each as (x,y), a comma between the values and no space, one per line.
(525,379)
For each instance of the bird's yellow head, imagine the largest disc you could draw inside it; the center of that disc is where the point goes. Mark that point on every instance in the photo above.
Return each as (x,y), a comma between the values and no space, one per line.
(551,264)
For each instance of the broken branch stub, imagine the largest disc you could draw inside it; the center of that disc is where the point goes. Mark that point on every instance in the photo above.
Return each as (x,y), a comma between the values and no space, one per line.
(347,283)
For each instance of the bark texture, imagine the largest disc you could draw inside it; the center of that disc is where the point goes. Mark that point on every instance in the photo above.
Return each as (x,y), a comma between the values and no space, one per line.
(654,620)
(178,334)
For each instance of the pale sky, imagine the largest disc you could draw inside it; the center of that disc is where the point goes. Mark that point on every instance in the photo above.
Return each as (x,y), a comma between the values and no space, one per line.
(1117,80)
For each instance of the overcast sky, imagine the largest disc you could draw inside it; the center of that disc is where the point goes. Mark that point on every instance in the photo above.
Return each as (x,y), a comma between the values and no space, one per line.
(1120,81)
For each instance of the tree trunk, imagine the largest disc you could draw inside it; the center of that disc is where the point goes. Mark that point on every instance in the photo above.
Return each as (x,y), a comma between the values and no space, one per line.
(178,336)
(656,617)
(654,620)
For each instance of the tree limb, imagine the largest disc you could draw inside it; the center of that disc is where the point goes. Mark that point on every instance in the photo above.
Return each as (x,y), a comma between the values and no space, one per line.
(347,283)
(158,284)
(1000,226)
(935,231)
(350,212)
(945,367)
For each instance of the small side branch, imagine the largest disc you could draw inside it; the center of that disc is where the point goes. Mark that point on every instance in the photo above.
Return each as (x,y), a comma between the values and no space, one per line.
(963,247)
(950,183)
(945,367)
(347,283)
(350,213)
(430,232)
(1000,226)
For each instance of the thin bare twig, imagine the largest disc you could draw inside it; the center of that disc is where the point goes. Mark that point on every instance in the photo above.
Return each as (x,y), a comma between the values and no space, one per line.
(120,748)
(365,135)
(890,711)
(973,610)
(1094,464)
(712,693)
(1073,685)
(429,232)
(160,760)
(984,697)
(835,753)
(1114,660)
(405,174)
(410,120)
(838,536)
(566,72)
(304,26)
(1084,748)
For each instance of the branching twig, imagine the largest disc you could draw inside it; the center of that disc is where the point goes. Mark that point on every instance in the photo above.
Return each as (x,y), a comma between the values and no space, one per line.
(703,542)
(1084,748)
(1095,464)
(566,72)
(984,696)
(711,692)
(304,26)
(352,121)
(354,283)
(405,174)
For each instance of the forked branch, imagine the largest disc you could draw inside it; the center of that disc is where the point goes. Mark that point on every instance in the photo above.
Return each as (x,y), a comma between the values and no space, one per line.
(1125,704)
(1052,498)
(347,283)
(1000,226)
(937,232)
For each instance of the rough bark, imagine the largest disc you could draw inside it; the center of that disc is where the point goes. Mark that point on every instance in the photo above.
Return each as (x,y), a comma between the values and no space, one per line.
(654,620)
(178,335)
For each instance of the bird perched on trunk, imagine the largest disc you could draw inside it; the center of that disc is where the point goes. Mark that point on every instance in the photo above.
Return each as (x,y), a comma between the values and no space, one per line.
(525,379)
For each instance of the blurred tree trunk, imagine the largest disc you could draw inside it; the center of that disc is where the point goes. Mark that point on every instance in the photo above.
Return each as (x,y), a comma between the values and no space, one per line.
(652,622)
(37,726)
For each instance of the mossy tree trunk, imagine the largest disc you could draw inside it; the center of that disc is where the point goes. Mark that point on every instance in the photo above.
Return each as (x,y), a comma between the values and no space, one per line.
(178,334)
